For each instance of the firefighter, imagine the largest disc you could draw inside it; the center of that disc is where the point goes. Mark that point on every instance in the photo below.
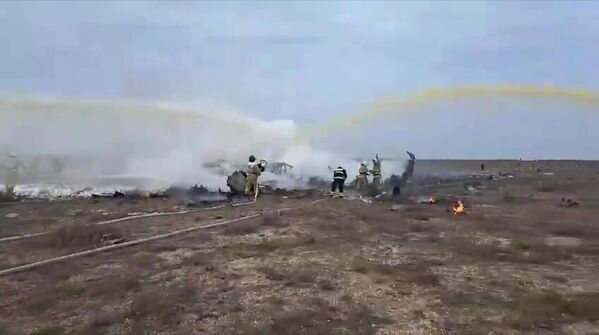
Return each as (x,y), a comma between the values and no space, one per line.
(362,178)
(253,172)
(339,177)
(376,172)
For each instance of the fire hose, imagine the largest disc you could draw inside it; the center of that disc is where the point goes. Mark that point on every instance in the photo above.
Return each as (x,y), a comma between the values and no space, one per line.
(129,218)
(30,266)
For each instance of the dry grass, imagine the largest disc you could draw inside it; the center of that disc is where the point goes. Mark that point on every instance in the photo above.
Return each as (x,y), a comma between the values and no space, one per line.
(164,304)
(44,297)
(99,321)
(577,230)
(586,249)
(274,220)
(315,318)
(75,236)
(300,276)
(541,309)
(327,284)
(416,273)
(508,197)
(49,330)
(533,252)
(547,187)
(266,246)
(146,261)
(198,259)
(114,286)
(243,228)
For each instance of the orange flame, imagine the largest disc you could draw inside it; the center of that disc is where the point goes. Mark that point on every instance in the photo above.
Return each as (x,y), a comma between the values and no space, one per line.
(458,208)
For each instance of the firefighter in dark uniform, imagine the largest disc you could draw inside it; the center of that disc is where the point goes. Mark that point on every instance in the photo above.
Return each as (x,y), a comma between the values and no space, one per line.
(339,177)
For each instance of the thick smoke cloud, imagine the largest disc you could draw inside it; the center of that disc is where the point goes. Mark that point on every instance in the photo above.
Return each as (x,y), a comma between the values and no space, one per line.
(151,146)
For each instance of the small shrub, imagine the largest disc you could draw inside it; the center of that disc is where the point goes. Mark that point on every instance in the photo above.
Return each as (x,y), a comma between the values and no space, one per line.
(508,197)
(49,330)
(164,304)
(73,236)
(117,285)
(546,188)
(243,228)
(549,307)
(296,277)
(326,284)
(273,220)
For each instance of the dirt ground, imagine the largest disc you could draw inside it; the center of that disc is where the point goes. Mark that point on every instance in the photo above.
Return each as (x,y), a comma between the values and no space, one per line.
(520,261)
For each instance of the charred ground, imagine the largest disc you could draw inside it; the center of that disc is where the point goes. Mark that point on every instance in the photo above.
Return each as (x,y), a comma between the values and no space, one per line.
(518,262)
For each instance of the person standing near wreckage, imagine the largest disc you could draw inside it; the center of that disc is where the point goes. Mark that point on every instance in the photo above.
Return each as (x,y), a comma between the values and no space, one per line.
(339,177)
(362,178)
(254,170)
(376,172)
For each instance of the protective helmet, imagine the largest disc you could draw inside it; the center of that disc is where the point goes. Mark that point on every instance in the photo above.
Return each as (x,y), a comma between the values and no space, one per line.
(364,163)
(252,158)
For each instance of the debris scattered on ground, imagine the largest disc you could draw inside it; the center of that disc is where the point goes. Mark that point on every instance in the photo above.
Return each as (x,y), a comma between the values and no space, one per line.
(111,239)
(279,167)
(429,201)
(11,215)
(563,241)
(569,203)
(396,208)
(236,182)
(158,195)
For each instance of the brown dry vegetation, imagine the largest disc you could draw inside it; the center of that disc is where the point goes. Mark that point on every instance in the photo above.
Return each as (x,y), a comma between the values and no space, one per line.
(516,263)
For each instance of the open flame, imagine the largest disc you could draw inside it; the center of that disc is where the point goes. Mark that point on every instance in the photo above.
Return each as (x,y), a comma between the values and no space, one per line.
(458,208)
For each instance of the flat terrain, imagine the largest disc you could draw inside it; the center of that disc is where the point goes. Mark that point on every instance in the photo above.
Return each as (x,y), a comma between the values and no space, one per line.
(520,261)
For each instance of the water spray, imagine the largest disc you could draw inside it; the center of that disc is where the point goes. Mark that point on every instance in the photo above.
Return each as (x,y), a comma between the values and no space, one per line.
(415,102)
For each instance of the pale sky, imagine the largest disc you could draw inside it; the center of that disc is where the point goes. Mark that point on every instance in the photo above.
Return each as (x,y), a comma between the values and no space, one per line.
(308,61)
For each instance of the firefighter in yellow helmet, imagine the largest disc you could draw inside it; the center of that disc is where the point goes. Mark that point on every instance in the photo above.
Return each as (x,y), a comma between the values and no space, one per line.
(362,178)
(376,172)
(254,170)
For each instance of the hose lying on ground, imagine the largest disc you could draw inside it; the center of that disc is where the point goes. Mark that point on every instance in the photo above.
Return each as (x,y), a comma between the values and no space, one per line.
(129,218)
(26,267)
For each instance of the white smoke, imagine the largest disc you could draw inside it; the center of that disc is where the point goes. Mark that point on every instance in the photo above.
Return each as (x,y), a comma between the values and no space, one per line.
(124,145)
(146,145)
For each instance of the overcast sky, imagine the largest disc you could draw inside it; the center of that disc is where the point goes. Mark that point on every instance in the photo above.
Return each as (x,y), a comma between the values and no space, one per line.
(308,61)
